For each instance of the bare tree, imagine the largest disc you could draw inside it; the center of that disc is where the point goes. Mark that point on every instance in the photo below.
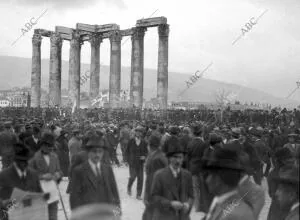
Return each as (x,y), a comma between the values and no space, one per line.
(224,97)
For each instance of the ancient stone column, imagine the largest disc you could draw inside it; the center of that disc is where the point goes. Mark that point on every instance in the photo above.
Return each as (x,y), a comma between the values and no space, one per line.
(95,41)
(115,69)
(74,69)
(36,70)
(162,68)
(55,70)
(137,67)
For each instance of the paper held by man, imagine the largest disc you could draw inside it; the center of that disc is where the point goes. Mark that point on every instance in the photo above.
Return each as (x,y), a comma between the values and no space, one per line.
(51,188)
(28,206)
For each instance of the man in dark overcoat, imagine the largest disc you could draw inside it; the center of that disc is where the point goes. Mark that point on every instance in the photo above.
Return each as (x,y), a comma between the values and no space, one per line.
(156,160)
(7,140)
(172,188)
(46,163)
(137,152)
(32,141)
(94,181)
(18,175)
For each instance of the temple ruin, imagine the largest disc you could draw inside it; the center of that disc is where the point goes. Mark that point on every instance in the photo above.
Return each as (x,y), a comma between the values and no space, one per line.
(95,34)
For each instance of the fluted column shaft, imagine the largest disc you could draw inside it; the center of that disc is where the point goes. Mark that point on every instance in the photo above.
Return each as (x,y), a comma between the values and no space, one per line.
(137,67)
(36,70)
(162,68)
(95,41)
(74,69)
(55,70)
(115,69)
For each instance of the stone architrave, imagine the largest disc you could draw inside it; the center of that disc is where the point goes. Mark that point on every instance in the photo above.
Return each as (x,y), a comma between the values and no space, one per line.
(36,70)
(55,70)
(115,69)
(74,69)
(162,70)
(95,41)
(137,67)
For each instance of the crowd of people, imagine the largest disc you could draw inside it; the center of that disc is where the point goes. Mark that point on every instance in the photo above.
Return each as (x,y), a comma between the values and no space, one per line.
(208,161)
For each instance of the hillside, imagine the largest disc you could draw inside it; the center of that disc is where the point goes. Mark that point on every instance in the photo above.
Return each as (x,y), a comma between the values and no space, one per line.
(16,71)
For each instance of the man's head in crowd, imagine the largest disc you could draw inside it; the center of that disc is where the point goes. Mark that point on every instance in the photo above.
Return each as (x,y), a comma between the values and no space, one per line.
(22,155)
(36,132)
(139,132)
(47,143)
(176,155)
(154,142)
(95,147)
(223,171)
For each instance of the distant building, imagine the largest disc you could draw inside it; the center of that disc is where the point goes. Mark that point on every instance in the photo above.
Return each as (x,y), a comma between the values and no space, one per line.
(15,97)
(4,102)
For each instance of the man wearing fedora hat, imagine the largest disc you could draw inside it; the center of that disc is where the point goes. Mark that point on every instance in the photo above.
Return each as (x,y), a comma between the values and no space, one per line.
(172,188)
(93,181)
(287,192)
(136,153)
(46,163)
(156,160)
(18,175)
(224,170)
(7,140)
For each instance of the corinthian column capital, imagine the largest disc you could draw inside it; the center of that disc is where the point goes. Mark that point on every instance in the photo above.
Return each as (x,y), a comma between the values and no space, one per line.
(37,39)
(163,30)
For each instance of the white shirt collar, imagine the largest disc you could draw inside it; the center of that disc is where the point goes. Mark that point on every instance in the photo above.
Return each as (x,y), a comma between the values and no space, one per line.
(295,206)
(174,172)
(35,139)
(20,173)
(94,166)
(243,179)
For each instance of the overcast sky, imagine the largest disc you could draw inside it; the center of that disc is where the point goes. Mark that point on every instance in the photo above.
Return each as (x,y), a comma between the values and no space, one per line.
(201,32)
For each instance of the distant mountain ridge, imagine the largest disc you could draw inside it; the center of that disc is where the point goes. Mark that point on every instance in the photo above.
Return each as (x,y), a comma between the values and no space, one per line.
(16,72)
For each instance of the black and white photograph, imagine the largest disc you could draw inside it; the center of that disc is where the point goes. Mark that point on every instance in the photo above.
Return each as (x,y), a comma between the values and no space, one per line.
(149,109)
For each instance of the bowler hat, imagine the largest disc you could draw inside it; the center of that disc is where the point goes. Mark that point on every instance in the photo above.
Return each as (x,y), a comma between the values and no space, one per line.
(176,148)
(154,141)
(214,138)
(174,130)
(47,138)
(95,141)
(223,159)
(21,152)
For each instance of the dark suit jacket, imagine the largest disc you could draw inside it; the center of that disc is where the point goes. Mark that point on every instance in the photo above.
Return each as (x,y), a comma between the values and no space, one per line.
(227,211)
(76,160)
(9,179)
(84,185)
(195,151)
(39,164)
(293,215)
(164,191)
(33,147)
(253,195)
(154,162)
(134,152)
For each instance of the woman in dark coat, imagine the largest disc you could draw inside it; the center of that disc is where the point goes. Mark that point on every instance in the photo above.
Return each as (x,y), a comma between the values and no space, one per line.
(63,152)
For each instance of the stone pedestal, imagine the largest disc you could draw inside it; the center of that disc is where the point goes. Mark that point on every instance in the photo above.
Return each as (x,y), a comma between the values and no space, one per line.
(95,41)
(74,70)
(115,69)
(162,68)
(55,70)
(137,67)
(36,71)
